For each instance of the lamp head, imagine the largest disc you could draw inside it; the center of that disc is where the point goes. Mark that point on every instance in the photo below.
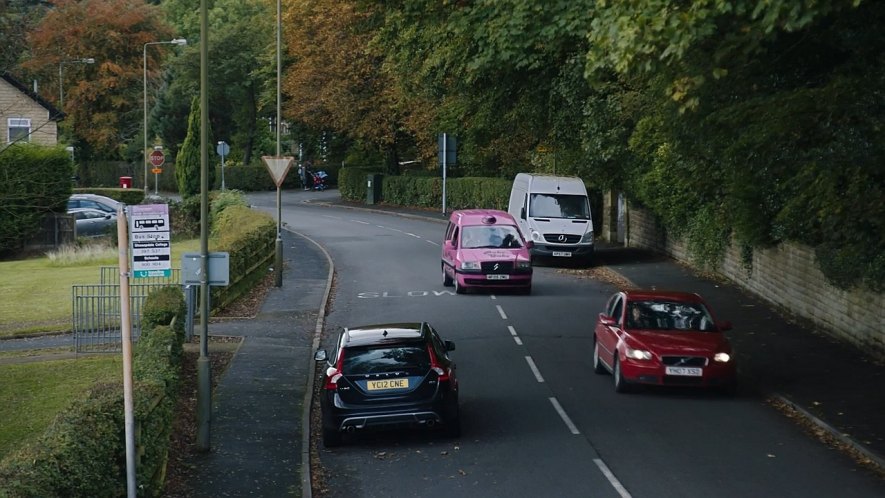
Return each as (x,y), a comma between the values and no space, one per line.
(179,41)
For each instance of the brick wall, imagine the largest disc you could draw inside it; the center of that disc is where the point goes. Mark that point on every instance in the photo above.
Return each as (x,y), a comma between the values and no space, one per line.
(786,276)
(15,104)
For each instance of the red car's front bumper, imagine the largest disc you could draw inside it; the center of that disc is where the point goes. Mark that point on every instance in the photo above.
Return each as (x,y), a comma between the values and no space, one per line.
(653,372)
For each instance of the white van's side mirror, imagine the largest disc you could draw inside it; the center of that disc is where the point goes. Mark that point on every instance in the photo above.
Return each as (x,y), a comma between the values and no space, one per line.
(522,212)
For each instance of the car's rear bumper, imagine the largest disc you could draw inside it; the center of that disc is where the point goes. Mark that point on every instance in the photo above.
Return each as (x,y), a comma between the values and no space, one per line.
(425,414)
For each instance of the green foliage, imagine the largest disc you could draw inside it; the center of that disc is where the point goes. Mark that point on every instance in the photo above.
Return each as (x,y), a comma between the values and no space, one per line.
(224,200)
(188,162)
(248,236)
(162,306)
(352,182)
(461,193)
(128,196)
(34,181)
(184,217)
(83,451)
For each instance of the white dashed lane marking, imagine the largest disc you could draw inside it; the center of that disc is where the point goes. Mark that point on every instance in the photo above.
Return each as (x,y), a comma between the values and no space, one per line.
(612,479)
(534,368)
(565,418)
(501,312)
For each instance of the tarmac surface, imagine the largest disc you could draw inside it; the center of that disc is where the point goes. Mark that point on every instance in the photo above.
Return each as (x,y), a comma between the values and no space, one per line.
(261,406)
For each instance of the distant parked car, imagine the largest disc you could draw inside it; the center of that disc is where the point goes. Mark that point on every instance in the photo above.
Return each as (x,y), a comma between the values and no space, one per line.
(92,222)
(387,376)
(662,338)
(93,201)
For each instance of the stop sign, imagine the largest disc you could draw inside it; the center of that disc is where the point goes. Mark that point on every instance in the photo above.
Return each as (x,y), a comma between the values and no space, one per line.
(157,158)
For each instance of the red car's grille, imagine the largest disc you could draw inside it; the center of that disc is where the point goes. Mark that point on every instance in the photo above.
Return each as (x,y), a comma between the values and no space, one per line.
(684,361)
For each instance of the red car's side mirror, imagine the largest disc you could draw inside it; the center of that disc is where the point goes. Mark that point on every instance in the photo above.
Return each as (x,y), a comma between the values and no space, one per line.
(607,320)
(529,244)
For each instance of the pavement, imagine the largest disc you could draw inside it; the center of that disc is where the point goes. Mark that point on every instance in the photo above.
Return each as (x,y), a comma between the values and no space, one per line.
(261,406)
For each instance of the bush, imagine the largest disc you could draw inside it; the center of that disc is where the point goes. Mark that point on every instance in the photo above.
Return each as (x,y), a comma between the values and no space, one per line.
(36,181)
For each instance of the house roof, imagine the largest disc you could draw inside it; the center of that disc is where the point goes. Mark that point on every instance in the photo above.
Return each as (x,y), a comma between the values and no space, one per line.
(54,113)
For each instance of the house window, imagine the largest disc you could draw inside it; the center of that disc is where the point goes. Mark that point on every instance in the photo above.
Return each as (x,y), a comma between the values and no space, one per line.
(19,129)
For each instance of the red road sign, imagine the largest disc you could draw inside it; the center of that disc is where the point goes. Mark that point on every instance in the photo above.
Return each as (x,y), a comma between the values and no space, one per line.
(157,158)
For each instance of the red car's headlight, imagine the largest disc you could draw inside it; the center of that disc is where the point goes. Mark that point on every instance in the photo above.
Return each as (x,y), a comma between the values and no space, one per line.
(722,357)
(637,354)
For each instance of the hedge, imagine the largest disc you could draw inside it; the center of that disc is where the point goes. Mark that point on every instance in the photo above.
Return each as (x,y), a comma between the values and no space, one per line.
(83,451)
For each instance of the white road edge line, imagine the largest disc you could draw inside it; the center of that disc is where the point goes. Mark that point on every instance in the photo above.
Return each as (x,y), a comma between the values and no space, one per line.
(612,479)
(501,312)
(512,330)
(361,222)
(534,368)
(431,242)
(413,235)
(564,416)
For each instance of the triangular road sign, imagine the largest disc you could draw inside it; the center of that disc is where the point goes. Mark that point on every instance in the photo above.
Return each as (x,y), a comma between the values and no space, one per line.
(278,167)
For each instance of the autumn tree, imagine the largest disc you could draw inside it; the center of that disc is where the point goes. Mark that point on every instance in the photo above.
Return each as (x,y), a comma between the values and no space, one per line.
(103,101)
(335,80)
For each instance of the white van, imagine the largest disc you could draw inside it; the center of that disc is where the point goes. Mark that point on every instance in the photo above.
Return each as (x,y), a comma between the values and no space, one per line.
(554,213)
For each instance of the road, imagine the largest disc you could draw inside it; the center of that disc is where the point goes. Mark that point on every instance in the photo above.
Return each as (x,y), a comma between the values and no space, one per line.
(536,420)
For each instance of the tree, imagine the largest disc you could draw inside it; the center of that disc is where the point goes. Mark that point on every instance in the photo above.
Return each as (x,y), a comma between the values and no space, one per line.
(336,81)
(102,100)
(188,162)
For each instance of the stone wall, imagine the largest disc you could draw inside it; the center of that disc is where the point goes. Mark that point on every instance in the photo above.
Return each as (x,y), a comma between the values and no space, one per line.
(786,276)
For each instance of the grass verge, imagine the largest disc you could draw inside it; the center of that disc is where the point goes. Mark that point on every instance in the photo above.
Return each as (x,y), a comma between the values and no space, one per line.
(35,294)
(32,393)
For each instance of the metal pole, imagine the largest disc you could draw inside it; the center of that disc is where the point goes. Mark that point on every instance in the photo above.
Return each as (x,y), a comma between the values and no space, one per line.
(126,325)
(278,253)
(222,173)
(204,378)
(144,101)
(445,156)
(61,92)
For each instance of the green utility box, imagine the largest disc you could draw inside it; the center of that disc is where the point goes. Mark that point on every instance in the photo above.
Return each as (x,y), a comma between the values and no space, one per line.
(373,188)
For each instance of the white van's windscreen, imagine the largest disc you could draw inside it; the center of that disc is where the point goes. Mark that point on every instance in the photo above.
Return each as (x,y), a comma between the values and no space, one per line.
(559,206)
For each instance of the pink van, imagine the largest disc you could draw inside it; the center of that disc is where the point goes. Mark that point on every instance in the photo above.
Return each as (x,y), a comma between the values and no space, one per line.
(483,248)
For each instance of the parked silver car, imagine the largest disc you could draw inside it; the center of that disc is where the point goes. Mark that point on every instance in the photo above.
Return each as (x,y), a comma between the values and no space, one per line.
(91,222)
(93,201)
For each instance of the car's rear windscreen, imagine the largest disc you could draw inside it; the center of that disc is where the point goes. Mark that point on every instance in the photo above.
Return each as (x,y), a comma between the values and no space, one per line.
(368,360)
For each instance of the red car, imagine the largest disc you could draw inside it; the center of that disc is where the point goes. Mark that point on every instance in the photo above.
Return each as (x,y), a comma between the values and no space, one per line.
(662,338)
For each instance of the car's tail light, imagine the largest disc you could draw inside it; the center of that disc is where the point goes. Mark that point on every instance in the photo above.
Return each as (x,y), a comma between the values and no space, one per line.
(333,374)
(443,374)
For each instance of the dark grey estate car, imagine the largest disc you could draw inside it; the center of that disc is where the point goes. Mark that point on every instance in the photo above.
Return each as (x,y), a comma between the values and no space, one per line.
(388,375)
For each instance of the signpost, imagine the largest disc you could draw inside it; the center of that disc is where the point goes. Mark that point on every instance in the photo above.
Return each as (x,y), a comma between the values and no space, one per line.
(447,157)
(223,149)
(278,167)
(157,159)
(151,241)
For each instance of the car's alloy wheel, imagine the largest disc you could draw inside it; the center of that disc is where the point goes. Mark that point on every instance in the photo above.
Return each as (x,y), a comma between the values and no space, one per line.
(597,364)
(447,280)
(621,385)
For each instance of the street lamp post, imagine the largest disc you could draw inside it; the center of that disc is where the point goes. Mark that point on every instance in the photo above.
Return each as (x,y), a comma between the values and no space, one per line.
(61,91)
(176,41)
